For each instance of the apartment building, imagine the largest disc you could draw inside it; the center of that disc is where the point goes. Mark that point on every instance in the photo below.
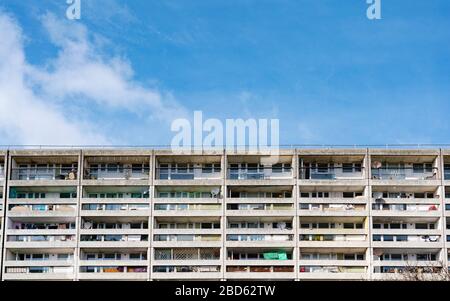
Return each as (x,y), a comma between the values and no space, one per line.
(140,214)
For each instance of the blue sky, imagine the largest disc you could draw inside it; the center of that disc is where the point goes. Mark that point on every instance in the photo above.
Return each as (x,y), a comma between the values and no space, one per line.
(320,66)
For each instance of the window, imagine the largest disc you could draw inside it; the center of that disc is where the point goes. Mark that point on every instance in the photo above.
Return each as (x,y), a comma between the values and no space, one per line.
(348,195)
(377,238)
(388,238)
(207,168)
(347,167)
(418,168)
(421,226)
(277,168)
(402,238)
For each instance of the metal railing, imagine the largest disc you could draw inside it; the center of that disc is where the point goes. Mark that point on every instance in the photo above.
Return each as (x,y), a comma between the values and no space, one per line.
(404,173)
(331,173)
(120,173)
(188,173)
(43,173)
(231,147)
(260,173)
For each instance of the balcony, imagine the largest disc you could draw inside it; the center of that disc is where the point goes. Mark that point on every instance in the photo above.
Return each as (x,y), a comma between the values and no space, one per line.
(42,176)
(113,272)
(39,273)
(263,209)
(260,272)
(410,208)
(204,173)
(102,208)
(187,240)
(183,209)
(344,208)
(116,169)
(332,173)
(42,210)
(260,175)
(408,174)
(168,272)
(117,173)
(260,240)
(187,256)
(187,225)
(320,272)
(409,272)
(114,240)
(333,240)
(406,241)
(41,241)
(255,256)
(188,173)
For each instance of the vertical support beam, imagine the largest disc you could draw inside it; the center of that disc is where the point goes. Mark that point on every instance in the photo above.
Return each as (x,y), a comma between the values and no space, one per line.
(223,218)
(3,224)
(151,224)
(368,191)
(77,251)
(296,218)
(443,219)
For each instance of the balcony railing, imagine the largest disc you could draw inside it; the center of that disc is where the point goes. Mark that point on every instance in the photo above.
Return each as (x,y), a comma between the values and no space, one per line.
(43,173)
(327,207)
(40,238)
(113,269)
(114,238)
(260,237)
(39,270)
(260,207)
(186,269)
(62,208)
(186,237)
(331,269)
(405,207)
(115,207)
(260,269)
(406,238)
(332,237)
(120,173)
(188,173)
(187,207)
(187,254)
(331,173)
(387,173)
(261,173)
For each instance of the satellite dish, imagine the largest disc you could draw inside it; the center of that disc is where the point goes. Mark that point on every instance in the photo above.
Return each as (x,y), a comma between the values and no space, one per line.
(215,192)
(377,164)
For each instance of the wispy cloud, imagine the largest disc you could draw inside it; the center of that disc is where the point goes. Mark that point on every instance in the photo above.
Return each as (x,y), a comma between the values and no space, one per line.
(81,76)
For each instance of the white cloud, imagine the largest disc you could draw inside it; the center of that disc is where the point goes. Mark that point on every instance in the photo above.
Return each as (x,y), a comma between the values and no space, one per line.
(34,99)
(25,117)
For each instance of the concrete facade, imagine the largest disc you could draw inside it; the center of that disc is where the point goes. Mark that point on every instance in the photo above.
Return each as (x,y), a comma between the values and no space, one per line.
(315,214)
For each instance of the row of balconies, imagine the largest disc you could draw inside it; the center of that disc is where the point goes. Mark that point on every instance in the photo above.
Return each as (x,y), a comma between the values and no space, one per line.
(235,172)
